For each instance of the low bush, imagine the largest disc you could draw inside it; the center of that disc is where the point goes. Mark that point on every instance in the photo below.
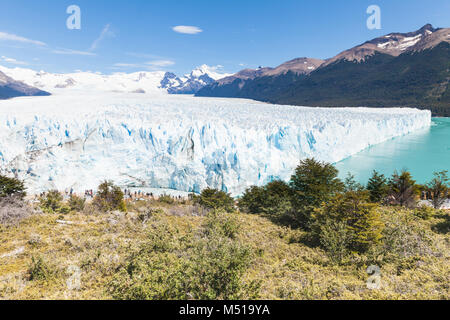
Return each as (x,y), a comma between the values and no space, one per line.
(76,203)
(348,221)
(403,237)
(424,212)
(13,210)
(210,265)
(51,202)
(39,269)
(166,199)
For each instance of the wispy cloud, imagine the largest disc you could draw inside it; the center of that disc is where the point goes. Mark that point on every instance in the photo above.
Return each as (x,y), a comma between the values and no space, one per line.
(187,29)
(12,61)
(161,63)
(12,37)
(73,52)
(154,65)
(106,32)
(126,65)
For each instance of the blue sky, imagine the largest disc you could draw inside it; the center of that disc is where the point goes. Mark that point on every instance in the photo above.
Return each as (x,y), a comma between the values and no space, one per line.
(137,35)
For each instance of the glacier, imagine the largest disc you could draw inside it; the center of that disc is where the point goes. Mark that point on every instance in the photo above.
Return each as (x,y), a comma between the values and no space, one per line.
(77,138)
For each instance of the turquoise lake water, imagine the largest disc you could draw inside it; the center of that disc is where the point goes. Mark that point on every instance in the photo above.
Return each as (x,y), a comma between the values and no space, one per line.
(422,153)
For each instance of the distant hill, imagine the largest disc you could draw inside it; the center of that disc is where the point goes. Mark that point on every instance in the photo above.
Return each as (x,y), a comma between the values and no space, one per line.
(9,88)
(396,70)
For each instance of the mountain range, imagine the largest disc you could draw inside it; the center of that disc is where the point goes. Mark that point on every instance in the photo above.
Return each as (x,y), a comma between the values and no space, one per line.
(191,83)
(34,82)
(10,88)
(396,70)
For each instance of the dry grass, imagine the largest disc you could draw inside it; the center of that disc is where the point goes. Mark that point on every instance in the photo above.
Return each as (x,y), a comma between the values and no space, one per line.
(97,244)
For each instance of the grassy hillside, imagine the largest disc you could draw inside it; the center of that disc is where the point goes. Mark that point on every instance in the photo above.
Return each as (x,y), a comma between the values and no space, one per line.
(41,254)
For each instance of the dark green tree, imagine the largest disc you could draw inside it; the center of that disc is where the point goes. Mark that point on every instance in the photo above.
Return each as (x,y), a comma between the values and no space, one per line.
(270,199)
(377,187)
(439,188)
(11,187)
(403,189)
(313,183)
(215,199)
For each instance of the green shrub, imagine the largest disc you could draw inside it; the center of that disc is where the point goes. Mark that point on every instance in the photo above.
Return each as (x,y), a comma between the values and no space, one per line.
(39,269)
(220,223)
(76,203)
(335,239)
(51,202)
(403,237)
(424,212)
(11,187)
(217,269)
(273,199)
(215,199)
(169,266)
(166,199)
(109,197)
(362,220)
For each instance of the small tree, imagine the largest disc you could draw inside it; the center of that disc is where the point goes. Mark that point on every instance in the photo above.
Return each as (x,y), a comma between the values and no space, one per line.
(439,188)
(109,197)
(377,187)
(402,189)
(313,183)
(215,199)
(350,184)
(11,187)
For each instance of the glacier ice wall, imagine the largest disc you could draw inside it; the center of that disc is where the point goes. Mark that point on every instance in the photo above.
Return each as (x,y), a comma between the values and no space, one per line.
(76,139)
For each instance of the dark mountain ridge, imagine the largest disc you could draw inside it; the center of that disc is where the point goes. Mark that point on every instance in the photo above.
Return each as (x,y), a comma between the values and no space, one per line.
(396,70)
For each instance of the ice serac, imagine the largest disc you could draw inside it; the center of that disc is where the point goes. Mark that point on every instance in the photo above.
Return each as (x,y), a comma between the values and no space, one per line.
(180,142)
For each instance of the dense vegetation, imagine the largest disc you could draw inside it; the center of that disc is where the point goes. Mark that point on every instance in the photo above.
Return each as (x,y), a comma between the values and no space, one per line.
(312,238)
(414,79)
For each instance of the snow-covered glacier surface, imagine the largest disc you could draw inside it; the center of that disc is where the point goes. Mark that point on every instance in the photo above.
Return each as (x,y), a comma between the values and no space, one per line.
(77,139)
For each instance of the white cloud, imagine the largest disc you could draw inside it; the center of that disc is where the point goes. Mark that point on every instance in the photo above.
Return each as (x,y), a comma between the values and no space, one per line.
(161,63)
(73,52)
(104,34)
(12,61)
(12,37)
(126,65)
(187,29)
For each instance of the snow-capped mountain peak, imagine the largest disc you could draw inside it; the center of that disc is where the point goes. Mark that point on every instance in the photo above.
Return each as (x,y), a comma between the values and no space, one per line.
(212,72)
(191,83)
(394,44)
